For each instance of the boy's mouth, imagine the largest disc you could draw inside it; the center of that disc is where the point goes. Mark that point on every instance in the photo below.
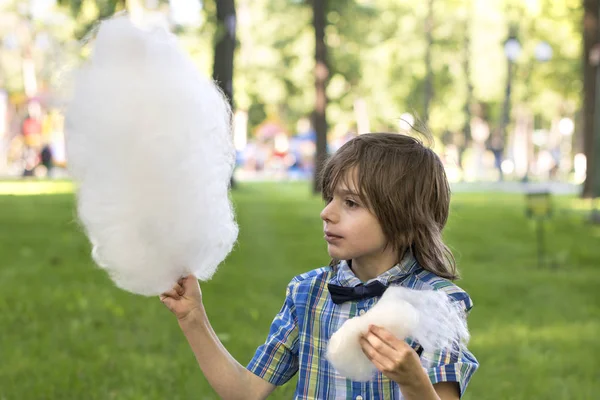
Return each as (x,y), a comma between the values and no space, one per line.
(331,237)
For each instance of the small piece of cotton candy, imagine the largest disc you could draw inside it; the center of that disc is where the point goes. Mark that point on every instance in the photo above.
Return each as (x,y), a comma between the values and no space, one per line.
(149,147)
(344,351)
(430,317)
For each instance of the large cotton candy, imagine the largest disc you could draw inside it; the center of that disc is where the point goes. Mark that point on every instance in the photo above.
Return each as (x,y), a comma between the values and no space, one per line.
(149,146)
(430,317)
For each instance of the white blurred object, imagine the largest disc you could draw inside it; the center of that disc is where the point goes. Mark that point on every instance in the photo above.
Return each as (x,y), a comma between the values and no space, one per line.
(566,126)
(429,317)
(240,129)
(149,146)
(406,122)
(362,116)
(543,52)
(508,167)
(580,167)
(512,49)
(282,143)
(3,113)
(186,12)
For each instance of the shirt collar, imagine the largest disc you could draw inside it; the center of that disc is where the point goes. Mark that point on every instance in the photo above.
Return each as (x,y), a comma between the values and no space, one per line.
(346,277)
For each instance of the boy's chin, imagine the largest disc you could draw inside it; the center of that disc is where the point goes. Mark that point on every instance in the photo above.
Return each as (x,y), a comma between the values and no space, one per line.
(337,255)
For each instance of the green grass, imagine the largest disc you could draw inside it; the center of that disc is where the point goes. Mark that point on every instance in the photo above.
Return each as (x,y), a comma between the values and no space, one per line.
(66,332)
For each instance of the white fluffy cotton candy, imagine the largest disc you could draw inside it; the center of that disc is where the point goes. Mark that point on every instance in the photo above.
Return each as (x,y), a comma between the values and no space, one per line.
(149,146)
(429,317)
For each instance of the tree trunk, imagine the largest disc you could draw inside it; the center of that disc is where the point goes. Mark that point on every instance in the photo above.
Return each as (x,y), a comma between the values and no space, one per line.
(466,142)
(319,118)
(429,74)
(590,38)
(224,49)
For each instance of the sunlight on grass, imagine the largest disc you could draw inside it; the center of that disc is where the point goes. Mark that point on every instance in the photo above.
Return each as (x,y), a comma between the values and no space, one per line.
(560,332)
(584,204)
(31,188)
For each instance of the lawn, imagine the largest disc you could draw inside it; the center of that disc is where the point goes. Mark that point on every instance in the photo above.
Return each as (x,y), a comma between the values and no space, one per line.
(66,332)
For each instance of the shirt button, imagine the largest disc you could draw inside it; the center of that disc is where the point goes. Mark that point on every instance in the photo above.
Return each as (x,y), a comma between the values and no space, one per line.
(361,312)
(359,397)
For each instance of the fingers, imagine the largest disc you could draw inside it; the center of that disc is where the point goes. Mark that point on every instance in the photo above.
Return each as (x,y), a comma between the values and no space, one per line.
(375,344)
(366,347)
(191,286)
(171,294)
(372,354)
(380,344)
(388,353)
(175,293)
(386,337)
(165,300)
(188,281)
(379,359)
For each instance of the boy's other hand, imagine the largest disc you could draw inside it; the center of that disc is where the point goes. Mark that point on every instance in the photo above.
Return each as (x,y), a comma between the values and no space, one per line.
(184,298)
(392,356)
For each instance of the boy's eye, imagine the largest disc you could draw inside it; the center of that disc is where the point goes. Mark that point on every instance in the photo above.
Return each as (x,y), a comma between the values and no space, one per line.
(351,203)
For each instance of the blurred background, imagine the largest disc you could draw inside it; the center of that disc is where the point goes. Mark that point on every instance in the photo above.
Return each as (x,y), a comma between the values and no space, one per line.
(507,88)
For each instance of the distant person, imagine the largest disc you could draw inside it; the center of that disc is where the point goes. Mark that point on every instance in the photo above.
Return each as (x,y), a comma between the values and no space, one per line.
(497,147)
(387,201)
(46,159)
(30,159)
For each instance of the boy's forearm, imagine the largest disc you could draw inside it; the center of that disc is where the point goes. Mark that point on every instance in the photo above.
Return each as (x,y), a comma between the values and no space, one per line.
(420,388)
(226,376)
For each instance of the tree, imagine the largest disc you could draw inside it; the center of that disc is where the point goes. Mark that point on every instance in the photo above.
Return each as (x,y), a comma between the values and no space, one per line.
(319,118)
(466,66)
(105,8)
(224,51)
(591,36)
(429,22)
(225,47)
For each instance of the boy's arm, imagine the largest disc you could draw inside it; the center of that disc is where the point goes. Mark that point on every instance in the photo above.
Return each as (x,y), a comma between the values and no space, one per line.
(228,378)
(447,390)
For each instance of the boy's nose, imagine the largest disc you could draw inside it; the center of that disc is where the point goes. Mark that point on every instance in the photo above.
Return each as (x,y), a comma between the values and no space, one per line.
(328,214)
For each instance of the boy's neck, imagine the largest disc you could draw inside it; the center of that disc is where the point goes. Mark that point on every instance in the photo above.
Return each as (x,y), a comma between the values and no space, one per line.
(367,269)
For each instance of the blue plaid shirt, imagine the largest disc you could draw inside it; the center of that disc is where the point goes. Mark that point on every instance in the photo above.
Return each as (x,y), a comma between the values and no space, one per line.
(299,334)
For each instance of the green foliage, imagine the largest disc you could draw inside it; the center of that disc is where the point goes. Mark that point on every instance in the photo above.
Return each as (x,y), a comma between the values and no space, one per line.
(96,10)
(49,41)
(377,51)
(273,66)
(69,333)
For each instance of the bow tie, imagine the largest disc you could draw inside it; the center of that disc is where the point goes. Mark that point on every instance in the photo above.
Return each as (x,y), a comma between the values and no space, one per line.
(341,294)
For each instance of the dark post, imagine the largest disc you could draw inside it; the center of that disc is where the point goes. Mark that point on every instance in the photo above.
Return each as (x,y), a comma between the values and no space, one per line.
(428,66)
(539,207)
(319,118)
(224,50)
(590,39)
(224,47)
(507,96)
(540,241)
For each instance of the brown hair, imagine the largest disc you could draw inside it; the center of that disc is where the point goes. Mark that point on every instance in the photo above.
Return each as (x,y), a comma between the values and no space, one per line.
(404,185)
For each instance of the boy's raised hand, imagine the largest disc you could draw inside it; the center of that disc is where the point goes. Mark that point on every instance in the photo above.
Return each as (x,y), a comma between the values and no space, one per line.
(184,298)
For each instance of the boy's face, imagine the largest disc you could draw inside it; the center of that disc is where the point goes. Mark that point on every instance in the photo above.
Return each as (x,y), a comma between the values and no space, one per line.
(352,232)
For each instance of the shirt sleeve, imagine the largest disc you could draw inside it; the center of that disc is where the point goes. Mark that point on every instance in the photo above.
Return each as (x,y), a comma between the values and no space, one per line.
(276,360)
(453,365)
